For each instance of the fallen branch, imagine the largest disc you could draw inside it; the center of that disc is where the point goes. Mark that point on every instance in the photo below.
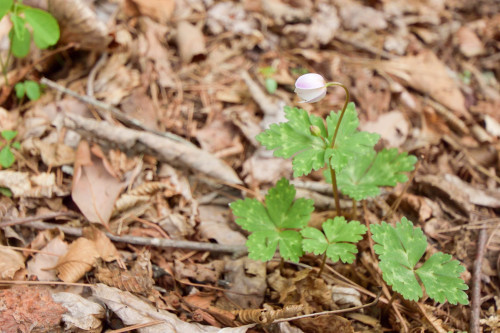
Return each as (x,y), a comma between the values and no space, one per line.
(236,250)
(474,326)
(141,142)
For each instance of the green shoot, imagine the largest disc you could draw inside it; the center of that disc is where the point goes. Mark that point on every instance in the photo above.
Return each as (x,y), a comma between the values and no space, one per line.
(270,83)
(400,248)
(273,224)
(28,88)
(336,240)
(7,157)
(312,151)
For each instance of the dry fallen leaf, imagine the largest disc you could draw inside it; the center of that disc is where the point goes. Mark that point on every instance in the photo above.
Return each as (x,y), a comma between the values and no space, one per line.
(80,258)
(79,24)
(470,45)
(246,277)
(94,189)
(107,250)
(10,262)
(22,184)
(42,263)
(427,74)
(191,42)
(215,225)
(160,10)
(392,127)
(81,314)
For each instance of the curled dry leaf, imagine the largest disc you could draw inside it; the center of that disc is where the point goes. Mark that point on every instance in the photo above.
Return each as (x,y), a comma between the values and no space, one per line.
(125,280)
(191,42)
(29,309)
(79,24)
(53,154)
(246,277)
(80,258)
(10,262)
(107,250)
(81,314)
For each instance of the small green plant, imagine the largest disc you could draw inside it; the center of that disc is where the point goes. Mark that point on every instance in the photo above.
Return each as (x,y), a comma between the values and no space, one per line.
(270,83)
(7,158)
(44,29)
(359,171)
(29,88)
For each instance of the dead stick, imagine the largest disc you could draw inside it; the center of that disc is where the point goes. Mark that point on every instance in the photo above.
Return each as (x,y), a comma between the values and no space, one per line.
(236,250)
(129,121)
(476,283)
(23,220)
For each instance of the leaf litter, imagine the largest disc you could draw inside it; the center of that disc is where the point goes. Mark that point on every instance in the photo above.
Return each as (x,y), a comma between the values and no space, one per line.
(428,84)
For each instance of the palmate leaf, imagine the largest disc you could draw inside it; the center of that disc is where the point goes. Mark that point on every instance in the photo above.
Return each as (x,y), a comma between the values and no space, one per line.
(294,138)
(338,240)
(271,223)
(367,173)
(400,248)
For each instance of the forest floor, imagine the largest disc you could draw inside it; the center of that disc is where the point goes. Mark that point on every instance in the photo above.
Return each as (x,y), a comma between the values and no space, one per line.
(115,214)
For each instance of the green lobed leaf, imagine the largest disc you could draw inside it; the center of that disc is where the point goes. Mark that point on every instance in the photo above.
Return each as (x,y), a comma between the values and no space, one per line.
(294,138)
(309,152)
(367,173)
(349,142)
(441,278)
(32,90)
(7,158)
(8,134)
(45,28)
(271,223)
(20,90)
(400,248)
(20,42)
(5,6)
(337,243)
(16,145)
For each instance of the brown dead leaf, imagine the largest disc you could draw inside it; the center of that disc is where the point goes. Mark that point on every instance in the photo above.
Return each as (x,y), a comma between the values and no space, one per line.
(283,13)
(209,272)
(159,10)
(230,16)
(29,309)
(191,42)
(11,261)
(354,16)
(427,74)
(43,263)
(486,198)
(246,277)
(94,189)
(22,184)
(468,42)
(107,250)
(392,127)
(79,24)
(325,324)
(215,225)
(53,154)
(217,135)
(80,258)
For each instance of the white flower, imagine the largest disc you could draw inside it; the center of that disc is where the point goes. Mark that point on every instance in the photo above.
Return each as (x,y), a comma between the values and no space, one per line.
(310,87)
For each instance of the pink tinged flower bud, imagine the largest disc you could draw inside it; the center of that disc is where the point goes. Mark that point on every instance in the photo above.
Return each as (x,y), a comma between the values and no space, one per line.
(315,130)
(310,87)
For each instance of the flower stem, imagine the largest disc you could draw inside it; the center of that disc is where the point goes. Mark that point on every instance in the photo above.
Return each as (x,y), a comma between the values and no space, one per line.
(332,171)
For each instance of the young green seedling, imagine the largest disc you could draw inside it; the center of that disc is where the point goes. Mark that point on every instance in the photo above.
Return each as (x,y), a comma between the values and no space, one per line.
(269,82)
(29,88)
(44,29)
(7,158)
(359,171)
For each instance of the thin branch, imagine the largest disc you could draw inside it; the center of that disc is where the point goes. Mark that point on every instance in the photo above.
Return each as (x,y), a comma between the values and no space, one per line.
(23,220)
(129,121)
(236,250)
(476,283)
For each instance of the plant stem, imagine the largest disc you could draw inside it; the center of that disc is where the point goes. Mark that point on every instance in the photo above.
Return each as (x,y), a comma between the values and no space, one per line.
(4,70)
(354,209)
(322,265)
(332,171)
